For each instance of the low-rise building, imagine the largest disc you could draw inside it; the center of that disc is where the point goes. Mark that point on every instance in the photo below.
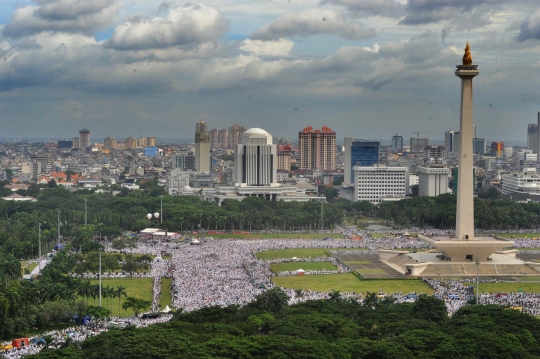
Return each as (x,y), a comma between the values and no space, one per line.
(433,181)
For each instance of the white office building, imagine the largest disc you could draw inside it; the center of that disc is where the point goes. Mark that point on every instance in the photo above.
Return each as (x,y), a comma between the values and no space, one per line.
(433,181)
(256,159)
(522,182)
(377,183)
(256,173)
(177,180)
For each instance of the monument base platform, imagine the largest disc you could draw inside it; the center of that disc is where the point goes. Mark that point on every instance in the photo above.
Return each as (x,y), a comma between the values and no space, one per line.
(424,264)
(479,248)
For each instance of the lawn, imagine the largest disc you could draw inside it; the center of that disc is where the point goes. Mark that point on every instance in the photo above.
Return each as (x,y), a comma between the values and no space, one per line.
(509,287)
(290,266)
(348,282)
(378,235)
(529,279)
(277,235)
(520,235)
(297,252)
(141,287)
(165,293)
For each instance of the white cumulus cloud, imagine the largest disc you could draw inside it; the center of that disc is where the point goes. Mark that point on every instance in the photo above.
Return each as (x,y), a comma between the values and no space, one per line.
(181,26)
(312,22)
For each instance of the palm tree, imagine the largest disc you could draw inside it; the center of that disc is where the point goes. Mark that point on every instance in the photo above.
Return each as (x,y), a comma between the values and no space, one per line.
(109,292)
(120,291)
(85,289)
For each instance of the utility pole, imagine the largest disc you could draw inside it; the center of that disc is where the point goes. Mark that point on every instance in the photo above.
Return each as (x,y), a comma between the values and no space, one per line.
(322,206)
(100,277)
(58,226)
(85,214)
(39,249)
(161,216)
(477,292)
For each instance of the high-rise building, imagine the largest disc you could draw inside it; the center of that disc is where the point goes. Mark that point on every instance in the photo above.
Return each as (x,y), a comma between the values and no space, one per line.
(141,142)
(130,143)
(45,160)
(317,149)
(284,158)
(184,160)
(434,154)
(256,159)
(451,143)
(397,142)
(234,137)
(75,142)
(151,141)
(532,137)
(214,141)
(418,144)
(375,183)
(362,153)
(497,149)
(84,138)
(479,146)
(65,144)
(109,142)
(538,142)
(223,136)
(202,147)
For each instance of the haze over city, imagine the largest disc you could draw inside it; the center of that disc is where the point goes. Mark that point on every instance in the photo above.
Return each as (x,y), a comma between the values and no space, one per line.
(366,68)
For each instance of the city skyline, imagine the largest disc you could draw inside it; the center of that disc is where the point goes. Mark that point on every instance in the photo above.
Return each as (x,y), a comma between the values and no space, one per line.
(271,64)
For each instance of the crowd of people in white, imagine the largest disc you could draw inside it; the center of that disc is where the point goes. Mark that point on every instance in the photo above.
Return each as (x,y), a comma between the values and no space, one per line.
(223,272)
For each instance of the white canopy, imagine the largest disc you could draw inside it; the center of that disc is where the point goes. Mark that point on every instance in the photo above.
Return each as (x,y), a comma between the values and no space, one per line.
(167,309)
(301,271)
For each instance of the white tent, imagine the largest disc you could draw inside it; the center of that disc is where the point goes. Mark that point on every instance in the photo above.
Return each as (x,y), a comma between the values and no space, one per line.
(167,309)
(300,271)
(294,258)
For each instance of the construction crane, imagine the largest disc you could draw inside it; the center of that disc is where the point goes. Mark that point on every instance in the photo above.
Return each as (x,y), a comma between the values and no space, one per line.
(419,132)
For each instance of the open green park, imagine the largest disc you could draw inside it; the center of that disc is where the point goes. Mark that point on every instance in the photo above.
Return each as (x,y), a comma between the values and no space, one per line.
(507,287)
(166,298)
(292,266)
(299,252)
(348,282)
(277,236)
(136,287)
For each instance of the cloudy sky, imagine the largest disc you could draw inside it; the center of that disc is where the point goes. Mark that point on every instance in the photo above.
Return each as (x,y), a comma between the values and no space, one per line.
(366,68)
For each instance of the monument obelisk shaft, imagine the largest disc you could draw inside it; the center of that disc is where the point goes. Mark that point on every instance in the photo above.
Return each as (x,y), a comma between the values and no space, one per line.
(465,195)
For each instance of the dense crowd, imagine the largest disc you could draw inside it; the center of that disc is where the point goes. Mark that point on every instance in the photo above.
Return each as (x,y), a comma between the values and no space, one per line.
(77,334)
(226,272)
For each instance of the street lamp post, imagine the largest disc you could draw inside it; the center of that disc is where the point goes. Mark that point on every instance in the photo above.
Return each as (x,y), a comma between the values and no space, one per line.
(100,277)
(85,213)
(58,239)
(161,211)
(477,292)
(39,248)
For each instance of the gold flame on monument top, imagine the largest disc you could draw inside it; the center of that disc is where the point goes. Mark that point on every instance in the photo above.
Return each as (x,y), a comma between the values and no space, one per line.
(467,58)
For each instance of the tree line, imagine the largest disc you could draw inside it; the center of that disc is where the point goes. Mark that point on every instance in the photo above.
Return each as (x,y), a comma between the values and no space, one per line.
(334,328)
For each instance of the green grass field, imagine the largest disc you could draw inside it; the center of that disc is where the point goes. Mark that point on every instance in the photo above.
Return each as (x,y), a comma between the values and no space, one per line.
(136,286)
(274,236)
(530,279)
(509,287)
(296,252)
(165,293)
(290,266)
(348,282)
(521,235)
(378,235)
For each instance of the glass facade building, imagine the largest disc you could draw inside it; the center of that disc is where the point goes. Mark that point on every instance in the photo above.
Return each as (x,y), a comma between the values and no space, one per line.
(364,153)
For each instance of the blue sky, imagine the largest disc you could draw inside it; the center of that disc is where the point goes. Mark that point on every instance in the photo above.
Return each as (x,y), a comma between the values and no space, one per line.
(366,68)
